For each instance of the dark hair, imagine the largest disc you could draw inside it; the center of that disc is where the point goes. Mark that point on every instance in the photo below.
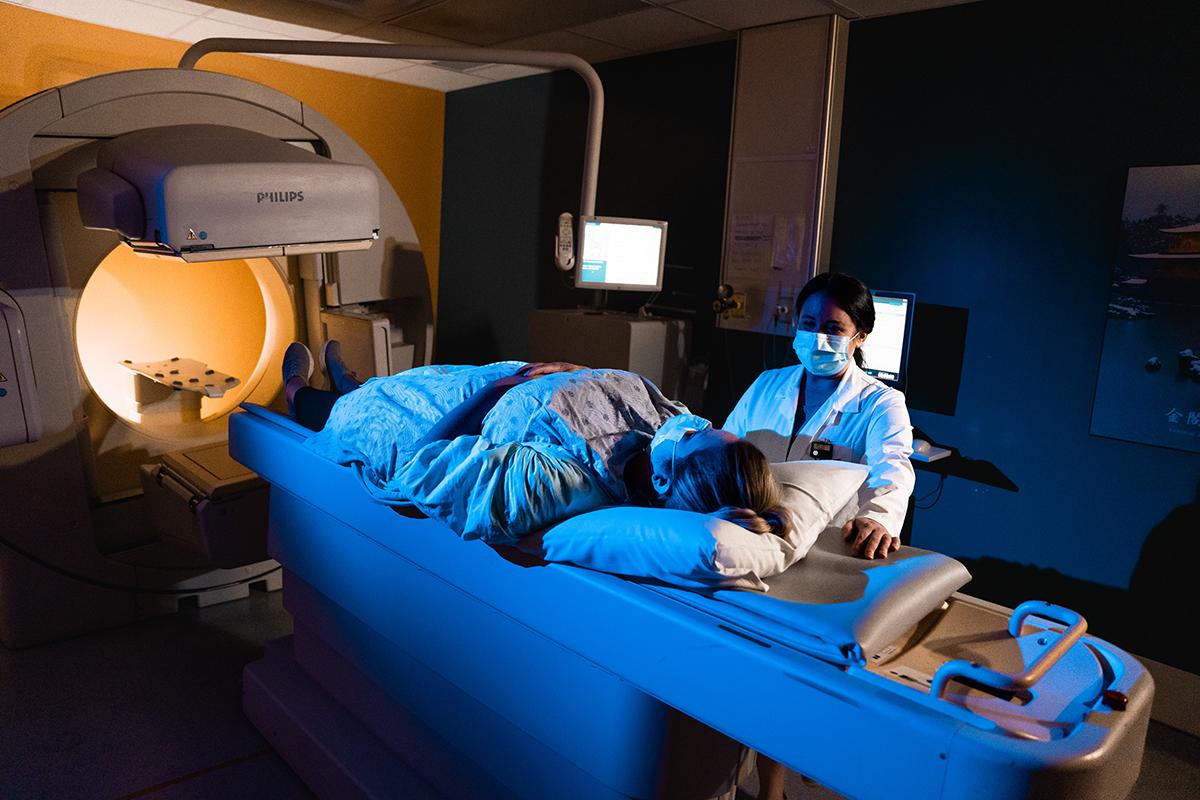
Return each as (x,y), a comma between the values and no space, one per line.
(850,294)
(733,482)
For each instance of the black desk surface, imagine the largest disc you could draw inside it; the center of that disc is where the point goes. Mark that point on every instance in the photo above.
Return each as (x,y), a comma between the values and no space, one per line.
(956,465)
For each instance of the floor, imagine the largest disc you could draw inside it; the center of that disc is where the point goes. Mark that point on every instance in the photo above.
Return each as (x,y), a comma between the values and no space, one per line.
(148,711)
(154,711)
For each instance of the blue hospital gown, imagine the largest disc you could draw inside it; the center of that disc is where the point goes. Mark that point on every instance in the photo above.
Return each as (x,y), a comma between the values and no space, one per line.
(551,447)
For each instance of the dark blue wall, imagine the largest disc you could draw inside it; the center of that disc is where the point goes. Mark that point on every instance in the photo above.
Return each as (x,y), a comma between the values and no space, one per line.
(983,160)
(513,162)
(984,156)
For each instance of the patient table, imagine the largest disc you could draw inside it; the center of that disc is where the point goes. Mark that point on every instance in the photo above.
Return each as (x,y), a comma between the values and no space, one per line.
(423,665)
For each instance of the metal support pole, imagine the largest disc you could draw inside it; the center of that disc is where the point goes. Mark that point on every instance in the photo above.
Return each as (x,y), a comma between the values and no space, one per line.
(479,55)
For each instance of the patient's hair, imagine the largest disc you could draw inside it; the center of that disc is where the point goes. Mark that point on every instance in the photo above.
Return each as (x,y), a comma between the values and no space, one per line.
(733,482)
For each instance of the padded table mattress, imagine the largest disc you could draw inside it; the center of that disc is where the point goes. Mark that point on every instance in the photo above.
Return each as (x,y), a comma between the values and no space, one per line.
(782,672)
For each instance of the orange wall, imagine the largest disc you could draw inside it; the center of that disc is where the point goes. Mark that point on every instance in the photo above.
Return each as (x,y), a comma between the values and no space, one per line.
(399,126)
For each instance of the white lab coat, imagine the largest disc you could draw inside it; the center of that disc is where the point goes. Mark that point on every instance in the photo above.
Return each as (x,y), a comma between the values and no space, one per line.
(865,420)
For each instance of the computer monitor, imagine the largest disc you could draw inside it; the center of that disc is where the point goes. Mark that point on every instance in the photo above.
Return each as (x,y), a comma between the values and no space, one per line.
(886,349)
(618,253)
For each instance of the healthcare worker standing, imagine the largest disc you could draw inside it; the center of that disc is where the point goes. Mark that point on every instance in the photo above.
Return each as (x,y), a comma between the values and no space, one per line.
(826,407)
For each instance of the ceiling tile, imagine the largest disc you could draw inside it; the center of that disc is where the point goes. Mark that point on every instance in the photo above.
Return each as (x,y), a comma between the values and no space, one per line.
(736,16)
(122,14)
(443,80)
(298,12)
(648,29)
(504,72)
(485,22)
(378,10)
(349,37)
(285,30)
(377,31)
(205,28)
(566,42)
(182,6)
(879,8)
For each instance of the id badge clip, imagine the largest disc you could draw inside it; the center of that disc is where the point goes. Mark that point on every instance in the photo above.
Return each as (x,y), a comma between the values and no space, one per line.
(820,450)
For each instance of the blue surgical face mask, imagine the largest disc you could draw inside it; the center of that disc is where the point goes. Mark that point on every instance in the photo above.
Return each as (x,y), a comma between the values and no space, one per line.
(822,353)
(666,442)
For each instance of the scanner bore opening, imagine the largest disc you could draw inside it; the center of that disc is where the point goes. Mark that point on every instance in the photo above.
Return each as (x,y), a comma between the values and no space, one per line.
(236,316)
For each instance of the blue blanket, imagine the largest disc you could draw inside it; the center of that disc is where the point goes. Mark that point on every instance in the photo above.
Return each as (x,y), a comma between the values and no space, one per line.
(551,448)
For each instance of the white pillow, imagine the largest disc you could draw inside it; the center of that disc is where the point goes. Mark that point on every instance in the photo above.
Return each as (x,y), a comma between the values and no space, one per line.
(818,494)
(685,548)
(682,548)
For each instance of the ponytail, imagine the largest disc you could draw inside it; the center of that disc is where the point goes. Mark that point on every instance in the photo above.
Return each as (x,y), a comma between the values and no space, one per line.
(771,520)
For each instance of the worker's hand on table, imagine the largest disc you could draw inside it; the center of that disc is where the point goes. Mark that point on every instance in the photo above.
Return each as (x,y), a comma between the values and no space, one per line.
(869,539)
(538,368)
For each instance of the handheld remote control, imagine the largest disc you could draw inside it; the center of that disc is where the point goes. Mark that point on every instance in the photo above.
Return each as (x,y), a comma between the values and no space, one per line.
(564,242)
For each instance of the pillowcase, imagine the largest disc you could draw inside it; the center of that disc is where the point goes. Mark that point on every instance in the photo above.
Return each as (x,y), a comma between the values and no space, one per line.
(682,548)
(685,548)
(818,494)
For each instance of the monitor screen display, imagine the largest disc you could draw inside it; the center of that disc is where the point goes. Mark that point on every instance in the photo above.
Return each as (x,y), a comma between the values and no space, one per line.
(886,349)
(617,253)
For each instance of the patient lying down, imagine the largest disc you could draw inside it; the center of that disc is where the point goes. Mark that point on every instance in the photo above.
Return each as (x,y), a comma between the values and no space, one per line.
(500,451)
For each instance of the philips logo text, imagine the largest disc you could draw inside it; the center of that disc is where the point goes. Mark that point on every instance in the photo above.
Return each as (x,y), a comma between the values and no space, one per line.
(280,197)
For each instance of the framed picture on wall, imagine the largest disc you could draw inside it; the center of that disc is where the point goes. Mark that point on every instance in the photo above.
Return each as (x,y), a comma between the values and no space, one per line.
(1148,389)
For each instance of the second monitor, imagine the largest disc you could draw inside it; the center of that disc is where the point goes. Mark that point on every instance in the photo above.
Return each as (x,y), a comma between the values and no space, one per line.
(886,349)
(620,253)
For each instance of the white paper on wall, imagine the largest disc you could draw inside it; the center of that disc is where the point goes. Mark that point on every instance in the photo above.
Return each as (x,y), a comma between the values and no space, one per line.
(751,237)
(787,243)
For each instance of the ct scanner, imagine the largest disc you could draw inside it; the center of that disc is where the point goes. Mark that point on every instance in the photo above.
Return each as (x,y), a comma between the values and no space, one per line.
(102,463)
